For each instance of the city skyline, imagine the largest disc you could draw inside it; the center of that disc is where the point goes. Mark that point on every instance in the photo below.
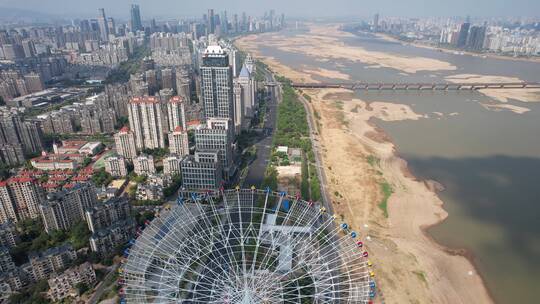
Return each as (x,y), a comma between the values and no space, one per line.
(339,8)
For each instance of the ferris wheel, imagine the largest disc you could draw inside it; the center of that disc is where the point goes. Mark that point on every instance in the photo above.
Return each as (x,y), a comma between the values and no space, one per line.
(246,246)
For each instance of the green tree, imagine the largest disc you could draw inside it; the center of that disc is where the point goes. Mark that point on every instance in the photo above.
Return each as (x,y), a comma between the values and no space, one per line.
(101,177)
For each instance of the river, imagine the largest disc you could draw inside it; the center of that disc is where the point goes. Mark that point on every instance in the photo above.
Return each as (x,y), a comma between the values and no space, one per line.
(488,161)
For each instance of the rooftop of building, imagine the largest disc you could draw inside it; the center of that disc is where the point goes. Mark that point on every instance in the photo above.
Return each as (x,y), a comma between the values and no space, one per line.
(144,99)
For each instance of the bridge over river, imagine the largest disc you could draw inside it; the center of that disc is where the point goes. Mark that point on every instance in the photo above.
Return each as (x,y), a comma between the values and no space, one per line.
(419,86)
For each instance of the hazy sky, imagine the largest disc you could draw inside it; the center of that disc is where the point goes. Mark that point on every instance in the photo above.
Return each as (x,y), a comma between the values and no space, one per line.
(311,8)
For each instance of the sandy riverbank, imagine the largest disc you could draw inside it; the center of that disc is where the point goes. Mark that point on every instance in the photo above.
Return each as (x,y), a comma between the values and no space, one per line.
(323,42)
(411,267)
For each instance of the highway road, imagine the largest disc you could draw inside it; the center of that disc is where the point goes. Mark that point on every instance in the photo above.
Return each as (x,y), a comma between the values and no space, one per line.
(255,175)
(326,201)
(104,284)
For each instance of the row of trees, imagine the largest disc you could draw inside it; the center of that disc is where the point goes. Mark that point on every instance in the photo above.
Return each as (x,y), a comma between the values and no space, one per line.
(293,131)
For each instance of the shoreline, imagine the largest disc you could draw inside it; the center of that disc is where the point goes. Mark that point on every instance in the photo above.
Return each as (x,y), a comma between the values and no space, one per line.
(463,252)
(390,38)
(441,264)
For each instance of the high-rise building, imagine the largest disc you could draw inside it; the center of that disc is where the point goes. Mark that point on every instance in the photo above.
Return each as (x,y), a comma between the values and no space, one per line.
(147,121)
(20,198)
(116,166)
(238,98)
(104,241)
(136,23)
(152,81)
(33,82)
(176,113)
(376,22)
(172,164)
(167,79)
(144,165)
(216,84)
(104,215)
(475,40)
(217,136)
(183,85)
(14,131)
(125,143)
(65,208)
(210,23)
(202,171)
(179,142)
(111,26)
(463,34)
(103,28)
(247,81)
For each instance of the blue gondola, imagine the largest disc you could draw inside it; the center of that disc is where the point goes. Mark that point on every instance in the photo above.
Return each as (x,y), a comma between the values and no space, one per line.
(353,234)
(344,226)
(372,284)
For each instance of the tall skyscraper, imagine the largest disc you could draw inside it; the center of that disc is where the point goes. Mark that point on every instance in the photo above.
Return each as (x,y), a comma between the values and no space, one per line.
(147,122)
(477,35)
(463,34)
(136,23)
(111,26)
(103,27)
(210,23)
(125,143)
(376,22)
(216,84)
(247,81)
(238,98)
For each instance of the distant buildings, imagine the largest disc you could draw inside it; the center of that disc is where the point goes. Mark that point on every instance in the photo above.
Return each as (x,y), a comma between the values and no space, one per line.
(136,23)
(116,166)
(17,137)
(103,27)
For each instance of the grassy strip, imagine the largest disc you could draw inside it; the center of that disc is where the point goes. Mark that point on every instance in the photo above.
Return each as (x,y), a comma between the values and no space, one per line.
(387,191)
